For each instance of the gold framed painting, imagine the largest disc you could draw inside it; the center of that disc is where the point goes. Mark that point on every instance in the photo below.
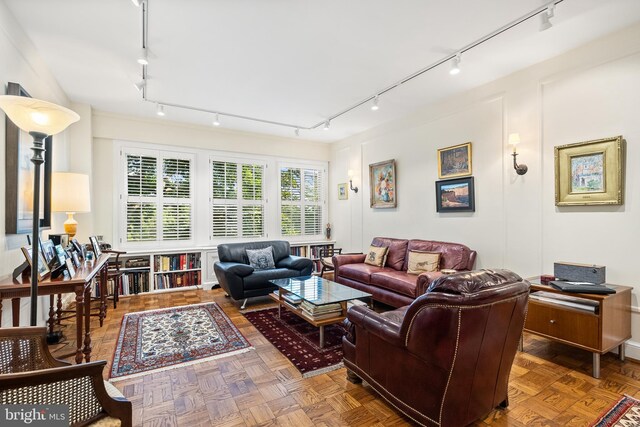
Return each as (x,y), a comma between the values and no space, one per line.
(343,193)
(454,161)
(382,184)
(590,172)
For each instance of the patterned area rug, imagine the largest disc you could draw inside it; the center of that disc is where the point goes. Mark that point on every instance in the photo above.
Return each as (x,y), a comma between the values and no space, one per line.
(624,413)
(298,340)
(155,340)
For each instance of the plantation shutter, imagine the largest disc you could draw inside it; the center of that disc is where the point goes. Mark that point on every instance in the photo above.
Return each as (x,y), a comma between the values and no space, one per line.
(176,206)
(141,198)
(237,199)
(301,201)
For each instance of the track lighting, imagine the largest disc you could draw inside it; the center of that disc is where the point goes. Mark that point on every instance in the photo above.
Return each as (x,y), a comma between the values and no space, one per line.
(140,85)
(545,17)
(160,110)
(455,65)
(297,131)
(143,59)
(375,107)
(326,125)
(136,2)
(216,121)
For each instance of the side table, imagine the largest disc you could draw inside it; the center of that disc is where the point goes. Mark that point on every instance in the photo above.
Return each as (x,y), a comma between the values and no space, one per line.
(599,332)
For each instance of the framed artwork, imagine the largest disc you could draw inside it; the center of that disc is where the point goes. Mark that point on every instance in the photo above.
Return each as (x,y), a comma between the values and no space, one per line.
(96,246)
(48,250)
(590,173)
(454,161)
(382,184)
(455,195)
(43,267)
(19,176)
(343,193)
(70,268)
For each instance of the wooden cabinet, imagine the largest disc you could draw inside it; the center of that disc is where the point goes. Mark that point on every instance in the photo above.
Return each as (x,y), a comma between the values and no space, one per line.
(607,327)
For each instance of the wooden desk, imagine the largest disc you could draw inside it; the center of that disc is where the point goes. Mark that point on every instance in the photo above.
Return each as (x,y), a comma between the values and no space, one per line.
(79,284)
(599,332)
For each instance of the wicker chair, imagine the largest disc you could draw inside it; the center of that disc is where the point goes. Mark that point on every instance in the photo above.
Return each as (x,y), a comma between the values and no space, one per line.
(29,374)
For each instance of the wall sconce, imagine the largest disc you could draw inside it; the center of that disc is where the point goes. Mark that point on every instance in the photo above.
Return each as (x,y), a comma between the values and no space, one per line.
(514,139)
(351,187)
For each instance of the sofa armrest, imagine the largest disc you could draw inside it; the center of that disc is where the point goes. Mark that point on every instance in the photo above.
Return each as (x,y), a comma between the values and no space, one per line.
(239,269)
(374,323)
(339,260)
(424,280)
(293,262)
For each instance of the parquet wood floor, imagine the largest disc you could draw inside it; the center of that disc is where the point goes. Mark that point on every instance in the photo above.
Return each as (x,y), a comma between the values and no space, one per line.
(550,383)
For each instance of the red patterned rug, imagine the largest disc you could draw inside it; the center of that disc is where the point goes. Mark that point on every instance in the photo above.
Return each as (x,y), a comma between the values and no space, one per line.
(298,340)
(624,413)
(156,340)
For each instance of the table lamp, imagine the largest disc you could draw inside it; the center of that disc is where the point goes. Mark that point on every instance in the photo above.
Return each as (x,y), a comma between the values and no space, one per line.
(40,119)
(70,194)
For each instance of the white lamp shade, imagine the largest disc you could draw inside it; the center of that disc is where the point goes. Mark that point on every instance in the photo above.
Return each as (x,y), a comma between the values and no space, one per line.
(514,139)
(34,115)
(70,192)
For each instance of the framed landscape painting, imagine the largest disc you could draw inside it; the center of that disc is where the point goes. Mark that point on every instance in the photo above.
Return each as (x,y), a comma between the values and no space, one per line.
(590,173)
(382,184)
(343,194)
(455,195)
(454,161)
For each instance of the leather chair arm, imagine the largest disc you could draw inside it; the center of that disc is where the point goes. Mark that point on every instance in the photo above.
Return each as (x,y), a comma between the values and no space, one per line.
(424,280)
(293,262)
(241,270)
(376,324)
(339,260)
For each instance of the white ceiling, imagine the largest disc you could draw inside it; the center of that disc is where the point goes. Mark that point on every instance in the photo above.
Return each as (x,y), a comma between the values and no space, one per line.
(295,61)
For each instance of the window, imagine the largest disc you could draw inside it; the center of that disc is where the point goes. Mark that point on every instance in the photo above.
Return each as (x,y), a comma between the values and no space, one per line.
(301,201)
(237,200)
(158,200)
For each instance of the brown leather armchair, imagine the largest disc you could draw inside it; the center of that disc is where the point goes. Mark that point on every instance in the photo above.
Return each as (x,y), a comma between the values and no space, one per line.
(444,360)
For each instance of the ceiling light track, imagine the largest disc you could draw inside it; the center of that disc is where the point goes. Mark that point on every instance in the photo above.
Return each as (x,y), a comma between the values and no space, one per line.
(546,9)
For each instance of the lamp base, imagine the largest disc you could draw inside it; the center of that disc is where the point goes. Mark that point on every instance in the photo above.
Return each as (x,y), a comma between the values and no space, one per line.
(70,225)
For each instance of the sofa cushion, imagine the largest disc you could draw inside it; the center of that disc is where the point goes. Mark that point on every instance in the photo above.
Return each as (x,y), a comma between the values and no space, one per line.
(454,255)
(397,251)
(361,272)
(261,259)
(376,256)
(259,278)
(396,281)
(420,262)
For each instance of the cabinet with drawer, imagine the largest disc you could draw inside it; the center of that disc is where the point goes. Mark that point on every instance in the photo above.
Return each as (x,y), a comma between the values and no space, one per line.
(605,327)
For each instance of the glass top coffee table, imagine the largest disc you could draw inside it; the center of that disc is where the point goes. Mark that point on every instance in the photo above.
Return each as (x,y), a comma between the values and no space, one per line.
(319,301)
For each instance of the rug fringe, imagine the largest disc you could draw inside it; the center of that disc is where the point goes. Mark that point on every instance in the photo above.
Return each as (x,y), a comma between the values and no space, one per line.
(182,365)
(323,370)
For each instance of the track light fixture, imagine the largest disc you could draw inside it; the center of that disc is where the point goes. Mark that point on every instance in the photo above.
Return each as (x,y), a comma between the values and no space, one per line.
(297,131)
(375,107)
(545,17)
(216,121)
(160,110)
(143,58)
(136,2)
(455,65)
(140,85)
(326,125)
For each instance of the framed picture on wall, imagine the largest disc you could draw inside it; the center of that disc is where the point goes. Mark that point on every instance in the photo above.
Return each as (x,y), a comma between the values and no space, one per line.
(454,161)
(343,194)
(383,185)
(455,195)
(590,173)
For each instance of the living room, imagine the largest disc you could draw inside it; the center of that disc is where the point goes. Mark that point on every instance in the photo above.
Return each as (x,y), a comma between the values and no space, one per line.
(571,83)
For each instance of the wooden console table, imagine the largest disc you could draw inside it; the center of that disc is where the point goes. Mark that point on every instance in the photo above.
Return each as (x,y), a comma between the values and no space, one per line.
(599,332)
(79,284)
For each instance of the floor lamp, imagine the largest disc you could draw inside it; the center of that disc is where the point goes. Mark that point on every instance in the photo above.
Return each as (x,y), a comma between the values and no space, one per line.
(40,119)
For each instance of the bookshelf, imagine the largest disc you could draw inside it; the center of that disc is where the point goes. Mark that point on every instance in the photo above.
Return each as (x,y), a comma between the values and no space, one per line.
(177,270)
(136,271)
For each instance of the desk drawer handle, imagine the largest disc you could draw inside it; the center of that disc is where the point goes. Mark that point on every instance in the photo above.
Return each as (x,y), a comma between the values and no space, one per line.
(552,321)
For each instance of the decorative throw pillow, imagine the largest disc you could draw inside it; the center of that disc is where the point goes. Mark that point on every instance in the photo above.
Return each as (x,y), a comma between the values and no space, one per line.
(376,256)
(420,262)
(261,259)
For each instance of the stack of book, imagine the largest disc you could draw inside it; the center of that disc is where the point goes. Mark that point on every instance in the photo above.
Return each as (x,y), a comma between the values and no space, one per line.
(319,312)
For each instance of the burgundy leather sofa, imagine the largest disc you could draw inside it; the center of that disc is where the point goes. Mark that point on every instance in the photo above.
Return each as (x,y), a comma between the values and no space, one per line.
(391,284)
(445,359)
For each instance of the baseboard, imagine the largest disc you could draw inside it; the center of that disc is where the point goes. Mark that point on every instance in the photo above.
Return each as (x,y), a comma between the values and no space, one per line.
(632,350)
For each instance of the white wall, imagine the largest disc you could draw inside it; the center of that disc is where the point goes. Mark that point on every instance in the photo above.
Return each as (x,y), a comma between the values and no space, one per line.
(21,64)
(589,93)
(108,128)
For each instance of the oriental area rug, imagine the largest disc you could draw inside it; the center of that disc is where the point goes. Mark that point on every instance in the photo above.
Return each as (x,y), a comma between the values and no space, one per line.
(624,413)
(299,341)
(155,340)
